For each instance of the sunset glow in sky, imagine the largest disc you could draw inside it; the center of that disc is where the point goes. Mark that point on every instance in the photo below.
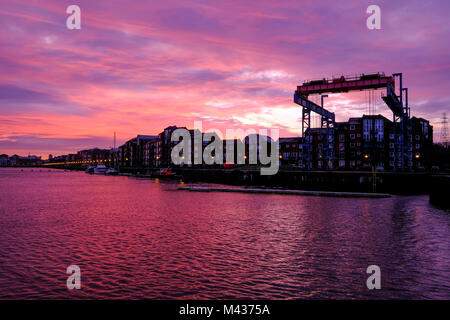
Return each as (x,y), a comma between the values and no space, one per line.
(136,66)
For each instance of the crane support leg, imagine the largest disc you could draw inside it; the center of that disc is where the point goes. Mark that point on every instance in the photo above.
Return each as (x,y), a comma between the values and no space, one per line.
(307,139)
(327,120)
(402,125)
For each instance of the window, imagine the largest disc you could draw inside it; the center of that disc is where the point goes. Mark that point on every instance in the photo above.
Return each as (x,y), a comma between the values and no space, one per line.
(352,136)
(391,154)
(367,129)
(391,145)
(366,136)
(379,124)
(379,130)
(417,146)
(417,137)
(391,136)
(352,145)
(341,138)
(352,127)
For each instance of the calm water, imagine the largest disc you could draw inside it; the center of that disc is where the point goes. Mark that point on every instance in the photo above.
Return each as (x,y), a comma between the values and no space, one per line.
(135,238)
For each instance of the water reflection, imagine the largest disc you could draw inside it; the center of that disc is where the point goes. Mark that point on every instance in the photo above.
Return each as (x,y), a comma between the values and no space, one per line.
(135,238)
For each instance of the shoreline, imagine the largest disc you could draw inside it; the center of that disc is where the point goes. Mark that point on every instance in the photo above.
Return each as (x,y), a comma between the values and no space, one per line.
(296,182)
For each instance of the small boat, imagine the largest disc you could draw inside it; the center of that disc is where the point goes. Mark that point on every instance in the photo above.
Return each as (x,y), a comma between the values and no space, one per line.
(111,172)
(167,173)
(100,169)
(90,169)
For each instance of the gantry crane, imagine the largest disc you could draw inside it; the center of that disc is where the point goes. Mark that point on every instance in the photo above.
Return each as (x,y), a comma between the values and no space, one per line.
(400,110)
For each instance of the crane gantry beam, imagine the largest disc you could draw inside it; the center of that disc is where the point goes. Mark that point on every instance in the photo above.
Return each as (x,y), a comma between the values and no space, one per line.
(346,84)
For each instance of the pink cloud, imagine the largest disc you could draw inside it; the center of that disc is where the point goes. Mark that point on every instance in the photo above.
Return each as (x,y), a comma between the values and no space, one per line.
(136,67)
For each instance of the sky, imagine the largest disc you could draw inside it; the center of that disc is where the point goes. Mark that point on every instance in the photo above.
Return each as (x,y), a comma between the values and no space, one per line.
(136,67)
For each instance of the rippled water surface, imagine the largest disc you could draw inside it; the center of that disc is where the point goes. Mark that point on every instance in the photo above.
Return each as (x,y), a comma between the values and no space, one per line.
(136,238)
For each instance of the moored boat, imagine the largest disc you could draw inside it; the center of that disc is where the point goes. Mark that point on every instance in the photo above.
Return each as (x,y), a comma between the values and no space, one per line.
(166,173)
(111,172)
(90,169)
(100,169)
